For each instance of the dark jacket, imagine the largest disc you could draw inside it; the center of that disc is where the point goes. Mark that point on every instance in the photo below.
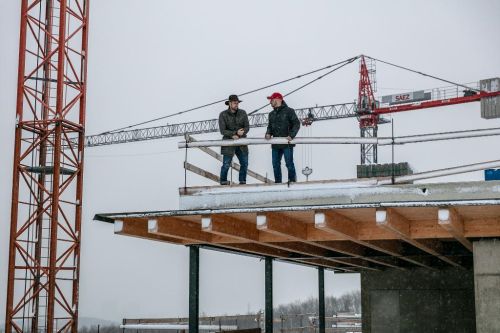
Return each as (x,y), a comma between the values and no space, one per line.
(229,124)
(283,122)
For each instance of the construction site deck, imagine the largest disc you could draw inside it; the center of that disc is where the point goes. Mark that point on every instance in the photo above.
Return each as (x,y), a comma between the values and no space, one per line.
(346,226)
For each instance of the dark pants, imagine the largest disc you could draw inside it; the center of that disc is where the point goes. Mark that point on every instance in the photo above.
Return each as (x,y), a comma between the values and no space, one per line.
(277,155)
(226,164)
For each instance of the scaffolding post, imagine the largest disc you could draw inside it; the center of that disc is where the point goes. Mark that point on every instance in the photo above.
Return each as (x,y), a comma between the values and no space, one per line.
(194,288)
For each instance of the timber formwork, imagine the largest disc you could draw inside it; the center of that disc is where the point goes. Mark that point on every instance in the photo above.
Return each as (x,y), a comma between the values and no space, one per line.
(348,229)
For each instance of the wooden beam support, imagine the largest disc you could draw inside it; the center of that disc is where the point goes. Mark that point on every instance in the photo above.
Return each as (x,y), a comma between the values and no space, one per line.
(188,231)
(176,228)
(356,251)
(319,262)
(337,224)
(485,227)
(199,171)
(320,248)
(391,220)
(226,226)
(451,221)
(294,230)
(282,225)
(135,227)
(259,249)
(340,226)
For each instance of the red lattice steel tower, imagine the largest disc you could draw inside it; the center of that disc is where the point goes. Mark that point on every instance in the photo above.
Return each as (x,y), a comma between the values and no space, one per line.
(368,120)
(44,257)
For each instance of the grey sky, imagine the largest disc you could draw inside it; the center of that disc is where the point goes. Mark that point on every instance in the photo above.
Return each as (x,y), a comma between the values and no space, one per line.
(152,58)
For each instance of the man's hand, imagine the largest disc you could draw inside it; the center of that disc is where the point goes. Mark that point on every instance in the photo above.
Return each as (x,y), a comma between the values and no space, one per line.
(268,136)
(240,132)
(235,137)
(289,138)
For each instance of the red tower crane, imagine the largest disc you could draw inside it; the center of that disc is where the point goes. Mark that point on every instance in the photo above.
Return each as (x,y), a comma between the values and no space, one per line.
(370,110)
(368,120)
(44,248)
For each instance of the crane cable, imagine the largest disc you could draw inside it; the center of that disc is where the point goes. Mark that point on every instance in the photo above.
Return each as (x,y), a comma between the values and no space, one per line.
(347,61)
(418,72)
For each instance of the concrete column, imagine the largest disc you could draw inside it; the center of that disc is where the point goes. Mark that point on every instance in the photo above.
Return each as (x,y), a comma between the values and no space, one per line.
(487,285)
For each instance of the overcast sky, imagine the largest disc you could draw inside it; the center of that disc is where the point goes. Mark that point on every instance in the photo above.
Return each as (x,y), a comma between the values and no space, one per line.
(152,58)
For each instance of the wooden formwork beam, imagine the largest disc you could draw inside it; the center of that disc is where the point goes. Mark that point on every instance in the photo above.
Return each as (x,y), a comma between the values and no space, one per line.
(337,224)
(226,226)
(176,228)
(356,251)
(451,221)
(137,227)
(285,226)
(337,239)
(199,171)
(394,222)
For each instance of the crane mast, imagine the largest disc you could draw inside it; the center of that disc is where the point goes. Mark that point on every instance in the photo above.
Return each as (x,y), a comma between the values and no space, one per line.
(46,211)
(368,120)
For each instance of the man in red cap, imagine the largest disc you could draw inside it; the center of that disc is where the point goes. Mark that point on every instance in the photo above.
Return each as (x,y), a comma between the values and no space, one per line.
(233,124)
(283,123)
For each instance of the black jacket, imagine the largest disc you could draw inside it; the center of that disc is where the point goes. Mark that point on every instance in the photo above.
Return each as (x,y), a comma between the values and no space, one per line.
(283,122)
(229,124)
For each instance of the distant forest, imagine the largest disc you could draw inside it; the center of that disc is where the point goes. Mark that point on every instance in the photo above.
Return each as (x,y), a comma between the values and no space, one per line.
(289,314)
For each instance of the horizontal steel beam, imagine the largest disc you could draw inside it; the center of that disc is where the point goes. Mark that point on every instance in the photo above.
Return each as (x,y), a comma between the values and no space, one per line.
(381,141)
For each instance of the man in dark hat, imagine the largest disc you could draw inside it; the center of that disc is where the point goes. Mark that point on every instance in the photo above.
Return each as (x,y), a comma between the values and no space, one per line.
(233,124)
(283,123)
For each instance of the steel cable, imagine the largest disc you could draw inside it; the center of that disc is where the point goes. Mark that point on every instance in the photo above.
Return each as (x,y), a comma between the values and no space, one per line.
(241,94)
(421,73)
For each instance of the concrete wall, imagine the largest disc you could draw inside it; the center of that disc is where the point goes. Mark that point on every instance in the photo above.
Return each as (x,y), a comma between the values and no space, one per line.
(418,300)
(487,285)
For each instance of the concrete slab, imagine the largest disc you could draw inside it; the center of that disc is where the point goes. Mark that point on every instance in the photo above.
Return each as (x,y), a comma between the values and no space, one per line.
(331,192)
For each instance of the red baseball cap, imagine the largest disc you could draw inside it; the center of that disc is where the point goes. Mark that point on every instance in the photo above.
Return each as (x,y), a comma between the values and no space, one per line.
(275,95)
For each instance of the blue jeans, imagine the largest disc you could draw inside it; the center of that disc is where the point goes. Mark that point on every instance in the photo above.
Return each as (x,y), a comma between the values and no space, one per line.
(277,155)
(226,164)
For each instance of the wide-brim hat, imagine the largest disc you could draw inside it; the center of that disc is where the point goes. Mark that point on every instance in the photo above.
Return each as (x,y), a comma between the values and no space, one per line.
(232,98)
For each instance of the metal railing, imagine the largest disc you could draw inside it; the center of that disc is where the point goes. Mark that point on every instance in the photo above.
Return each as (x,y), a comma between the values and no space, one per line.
(382,141)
